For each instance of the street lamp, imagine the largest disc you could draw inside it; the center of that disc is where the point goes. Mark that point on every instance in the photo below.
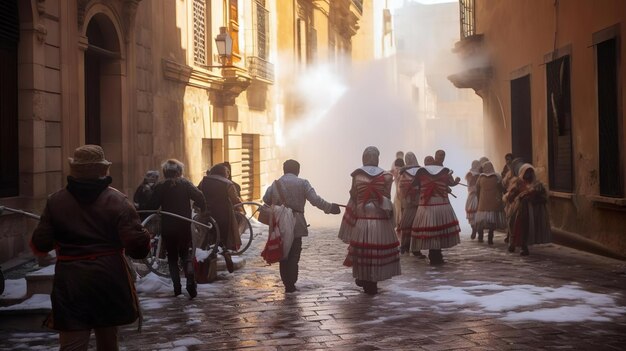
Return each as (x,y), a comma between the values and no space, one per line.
(224,45)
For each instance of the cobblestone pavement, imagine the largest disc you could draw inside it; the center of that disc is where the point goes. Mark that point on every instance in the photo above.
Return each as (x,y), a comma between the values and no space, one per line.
(483,298)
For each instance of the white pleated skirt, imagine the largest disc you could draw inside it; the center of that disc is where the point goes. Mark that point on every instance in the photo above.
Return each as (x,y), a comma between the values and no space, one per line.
(435,226)
(373,252)
(347,225)
(490,220)
(471,205)
(405,225)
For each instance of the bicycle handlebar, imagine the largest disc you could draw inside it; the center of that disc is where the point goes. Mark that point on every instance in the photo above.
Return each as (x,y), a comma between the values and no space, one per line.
(153,213)
(14,210)
(248,203)
(157,212)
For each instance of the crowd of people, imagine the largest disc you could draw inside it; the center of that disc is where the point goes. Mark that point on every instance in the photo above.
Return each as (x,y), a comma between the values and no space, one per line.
(93,226)
(513,201)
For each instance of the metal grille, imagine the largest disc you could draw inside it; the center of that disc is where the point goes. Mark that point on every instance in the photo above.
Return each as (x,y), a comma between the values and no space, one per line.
(247,167)
(9,24)
(259,68)
(359,5)
(468,19)
(262,31)
(199,32)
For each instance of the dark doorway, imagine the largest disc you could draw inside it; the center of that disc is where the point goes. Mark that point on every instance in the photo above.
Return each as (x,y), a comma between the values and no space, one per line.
(609,125)
(103,85)
(92,98)
(521,119)
(95,56)
(9,152)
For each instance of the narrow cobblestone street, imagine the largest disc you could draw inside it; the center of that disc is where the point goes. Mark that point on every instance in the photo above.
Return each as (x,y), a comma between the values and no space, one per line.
(557,298)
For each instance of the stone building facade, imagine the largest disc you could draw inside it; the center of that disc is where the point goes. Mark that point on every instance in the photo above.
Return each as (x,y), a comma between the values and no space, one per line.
(144,80)
(446,116)
(551,77)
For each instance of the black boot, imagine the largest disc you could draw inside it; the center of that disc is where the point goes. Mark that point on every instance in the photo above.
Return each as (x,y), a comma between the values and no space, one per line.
(490,237)
(230,266)
(473,236)
(192,287)
(418,254)
(175,275)
(524,251)
(480,236)
(435,257)
(370,288)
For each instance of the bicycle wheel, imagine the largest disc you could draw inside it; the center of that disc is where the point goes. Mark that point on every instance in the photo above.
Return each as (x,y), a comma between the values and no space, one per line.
(245,232)
(156,261)
(207,240)
(247,222)
(1,282)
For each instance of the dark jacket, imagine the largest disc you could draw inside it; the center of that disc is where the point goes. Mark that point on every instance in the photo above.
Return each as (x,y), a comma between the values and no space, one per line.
(142,197)
(221,194)
(91,225)
(174,195)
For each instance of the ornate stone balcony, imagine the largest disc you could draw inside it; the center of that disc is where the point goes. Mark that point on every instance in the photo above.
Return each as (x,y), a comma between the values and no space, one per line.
(478,70)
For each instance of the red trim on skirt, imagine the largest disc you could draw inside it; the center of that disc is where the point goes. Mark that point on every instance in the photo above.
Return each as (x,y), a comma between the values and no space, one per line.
(348,263)
(435,236)
(373,246)
(432,229)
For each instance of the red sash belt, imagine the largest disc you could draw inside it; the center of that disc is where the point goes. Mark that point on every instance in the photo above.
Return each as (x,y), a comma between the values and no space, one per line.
(435,187)
(374,190)
(91,256)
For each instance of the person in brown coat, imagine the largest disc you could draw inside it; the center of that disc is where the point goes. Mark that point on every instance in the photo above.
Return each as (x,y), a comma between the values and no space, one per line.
(91,226)
(490,211)
(221,195)
(530,222)
(471,204)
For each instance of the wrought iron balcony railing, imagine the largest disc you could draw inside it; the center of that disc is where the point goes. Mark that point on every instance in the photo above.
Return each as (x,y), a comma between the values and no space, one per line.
(359,5)
(259,68)
(468,18)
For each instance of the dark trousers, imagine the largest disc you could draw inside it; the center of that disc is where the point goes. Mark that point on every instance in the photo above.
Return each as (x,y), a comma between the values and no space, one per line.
(78,340)
(178,247)
(289,267)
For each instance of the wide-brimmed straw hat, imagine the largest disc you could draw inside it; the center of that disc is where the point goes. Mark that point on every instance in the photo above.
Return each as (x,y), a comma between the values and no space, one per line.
(88,162)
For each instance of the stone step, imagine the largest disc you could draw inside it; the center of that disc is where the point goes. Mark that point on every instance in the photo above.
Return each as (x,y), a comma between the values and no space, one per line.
(40,281)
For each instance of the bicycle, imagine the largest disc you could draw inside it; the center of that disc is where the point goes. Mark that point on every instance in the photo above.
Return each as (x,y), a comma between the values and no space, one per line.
(246,231)
(156,261)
